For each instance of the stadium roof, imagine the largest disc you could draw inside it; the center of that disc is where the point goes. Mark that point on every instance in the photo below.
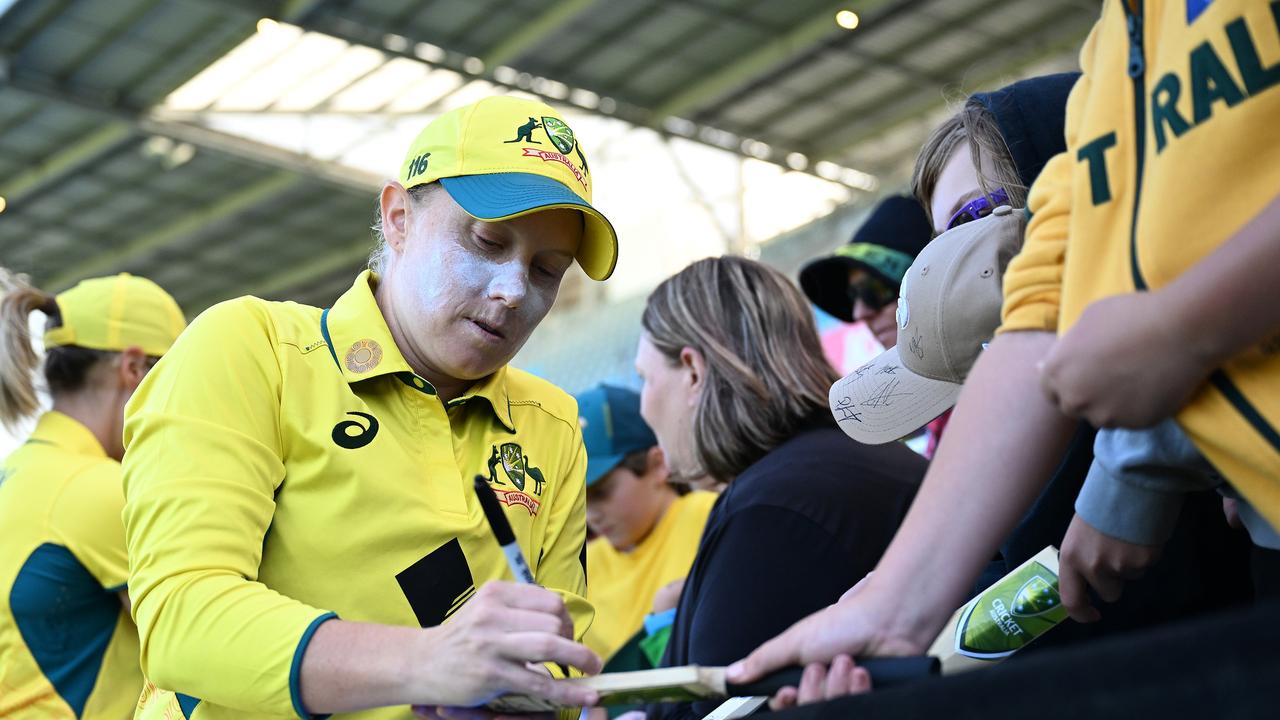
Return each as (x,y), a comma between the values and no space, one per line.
(168,137)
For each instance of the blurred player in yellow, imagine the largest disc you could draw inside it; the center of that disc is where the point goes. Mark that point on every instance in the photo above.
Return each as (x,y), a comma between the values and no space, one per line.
(67,646)
(303,528)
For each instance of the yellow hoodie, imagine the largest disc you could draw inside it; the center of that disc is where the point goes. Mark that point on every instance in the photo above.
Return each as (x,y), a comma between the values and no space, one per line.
(1173,144)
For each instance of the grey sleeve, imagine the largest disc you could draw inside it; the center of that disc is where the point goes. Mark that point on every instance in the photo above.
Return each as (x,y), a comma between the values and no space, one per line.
(1135,488)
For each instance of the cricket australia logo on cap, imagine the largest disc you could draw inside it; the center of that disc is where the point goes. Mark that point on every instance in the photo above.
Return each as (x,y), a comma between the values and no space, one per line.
(561,137)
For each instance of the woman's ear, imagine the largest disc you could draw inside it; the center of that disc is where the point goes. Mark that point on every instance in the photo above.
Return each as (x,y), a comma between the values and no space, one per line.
(132,367)
(694,364)
(394,205)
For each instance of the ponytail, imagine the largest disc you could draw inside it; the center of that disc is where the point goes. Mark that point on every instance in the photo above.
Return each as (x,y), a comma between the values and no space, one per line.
(19,361)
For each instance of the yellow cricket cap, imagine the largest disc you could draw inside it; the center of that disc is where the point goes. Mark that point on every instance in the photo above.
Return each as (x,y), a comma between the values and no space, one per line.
(503,157)
(114,313)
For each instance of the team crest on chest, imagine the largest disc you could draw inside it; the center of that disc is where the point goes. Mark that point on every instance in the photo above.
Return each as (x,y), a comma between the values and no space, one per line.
(512,485)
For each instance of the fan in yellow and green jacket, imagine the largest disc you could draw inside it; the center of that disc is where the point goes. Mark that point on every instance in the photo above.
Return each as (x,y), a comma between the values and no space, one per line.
(1168,188)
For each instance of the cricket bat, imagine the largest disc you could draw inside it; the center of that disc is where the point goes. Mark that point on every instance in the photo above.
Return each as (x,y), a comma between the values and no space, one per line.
(1004,618)
(1001,620)
(690,683)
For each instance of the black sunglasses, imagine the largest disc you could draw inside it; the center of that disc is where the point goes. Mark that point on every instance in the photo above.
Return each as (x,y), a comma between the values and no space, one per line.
(873,291)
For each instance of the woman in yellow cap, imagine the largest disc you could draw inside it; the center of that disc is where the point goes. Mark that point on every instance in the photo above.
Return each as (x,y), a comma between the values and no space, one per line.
(68,648)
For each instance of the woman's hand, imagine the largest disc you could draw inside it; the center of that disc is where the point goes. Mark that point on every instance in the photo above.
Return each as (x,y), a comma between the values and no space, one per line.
(486,649)
(859,625)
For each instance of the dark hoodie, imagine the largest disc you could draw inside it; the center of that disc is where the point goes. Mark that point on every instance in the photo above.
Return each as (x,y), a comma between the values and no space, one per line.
(1032,117)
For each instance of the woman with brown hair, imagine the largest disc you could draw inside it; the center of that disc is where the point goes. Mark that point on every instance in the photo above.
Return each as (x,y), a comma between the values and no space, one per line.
(67,646)
(735,387)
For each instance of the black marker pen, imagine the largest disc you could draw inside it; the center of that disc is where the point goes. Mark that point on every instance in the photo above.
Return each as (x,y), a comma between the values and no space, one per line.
(502,531)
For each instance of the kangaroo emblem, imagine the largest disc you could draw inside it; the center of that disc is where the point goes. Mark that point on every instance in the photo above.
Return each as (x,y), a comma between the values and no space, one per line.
(525,132)
(494,462)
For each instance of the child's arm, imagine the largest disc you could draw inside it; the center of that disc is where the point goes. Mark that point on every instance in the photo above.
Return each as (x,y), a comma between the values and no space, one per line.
(1133,360)
(1127,510)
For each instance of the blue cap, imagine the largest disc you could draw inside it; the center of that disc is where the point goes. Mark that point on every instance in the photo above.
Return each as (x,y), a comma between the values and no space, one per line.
(611,428)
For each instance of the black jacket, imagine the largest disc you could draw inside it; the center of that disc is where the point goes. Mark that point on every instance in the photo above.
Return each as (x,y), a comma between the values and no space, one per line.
(788,537)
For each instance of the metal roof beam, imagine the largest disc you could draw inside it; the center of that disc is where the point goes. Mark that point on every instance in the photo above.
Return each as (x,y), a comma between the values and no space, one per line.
(372,37)
(761,124)
(294,276)
(67,160)
(795,41)
(295,11)
(261,153)
(641,13)
(534,31)
(187,224)
(186,127)
(190,39)
(50,12)
(1033,49)
(676,42)
(108,36)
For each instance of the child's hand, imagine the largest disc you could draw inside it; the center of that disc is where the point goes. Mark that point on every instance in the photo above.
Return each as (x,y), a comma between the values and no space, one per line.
(1125,363)
(668,596)
(1091,559)
(821,682)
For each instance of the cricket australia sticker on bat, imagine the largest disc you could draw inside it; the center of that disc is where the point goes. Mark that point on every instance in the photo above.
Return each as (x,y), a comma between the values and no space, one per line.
(1007,616)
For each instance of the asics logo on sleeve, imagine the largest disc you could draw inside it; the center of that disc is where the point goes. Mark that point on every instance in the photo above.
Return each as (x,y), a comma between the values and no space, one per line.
(350,434)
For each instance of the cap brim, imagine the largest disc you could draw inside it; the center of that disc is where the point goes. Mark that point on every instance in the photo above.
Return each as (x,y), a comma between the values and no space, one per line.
(599,465)
(825,282)
(883,401)
(502,196)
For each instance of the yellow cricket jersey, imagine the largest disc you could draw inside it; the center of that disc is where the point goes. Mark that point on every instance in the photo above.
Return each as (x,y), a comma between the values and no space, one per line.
(623,584)
(1173,145)
(284,464)
(67,647)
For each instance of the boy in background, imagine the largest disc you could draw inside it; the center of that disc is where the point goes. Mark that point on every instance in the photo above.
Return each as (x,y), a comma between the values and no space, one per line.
(647,531)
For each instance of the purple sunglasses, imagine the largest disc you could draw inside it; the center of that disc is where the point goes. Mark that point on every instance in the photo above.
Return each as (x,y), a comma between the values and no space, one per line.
(979,208)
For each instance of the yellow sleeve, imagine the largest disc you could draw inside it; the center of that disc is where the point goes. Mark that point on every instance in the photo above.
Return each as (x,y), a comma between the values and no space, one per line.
(202,464)
(86,519)
(1033,281)
(563,566)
